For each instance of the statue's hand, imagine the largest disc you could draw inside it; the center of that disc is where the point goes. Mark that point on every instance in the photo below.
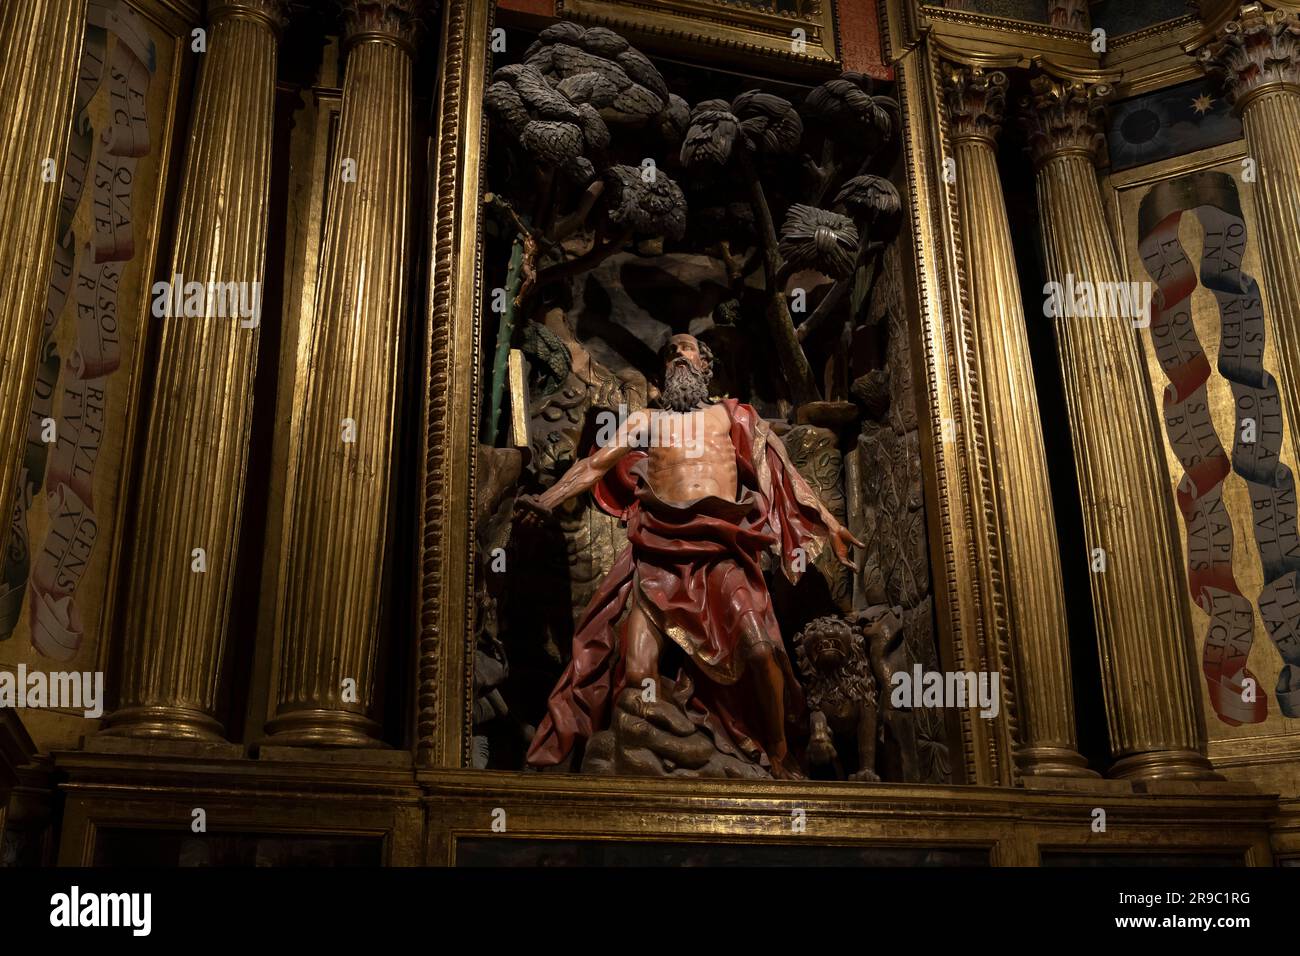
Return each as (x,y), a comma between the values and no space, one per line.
(841,542)
(532,505)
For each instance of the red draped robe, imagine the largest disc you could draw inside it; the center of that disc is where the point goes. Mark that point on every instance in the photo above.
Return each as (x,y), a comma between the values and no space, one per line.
(697,573)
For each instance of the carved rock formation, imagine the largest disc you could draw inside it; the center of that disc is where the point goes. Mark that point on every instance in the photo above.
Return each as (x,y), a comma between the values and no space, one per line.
(663,739)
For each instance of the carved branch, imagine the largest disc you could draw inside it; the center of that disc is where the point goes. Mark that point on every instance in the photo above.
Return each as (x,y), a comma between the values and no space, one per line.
(569,224)
(794,364)
(593,257)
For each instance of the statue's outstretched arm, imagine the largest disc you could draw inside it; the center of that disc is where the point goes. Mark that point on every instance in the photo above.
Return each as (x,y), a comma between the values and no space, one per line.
(583,474)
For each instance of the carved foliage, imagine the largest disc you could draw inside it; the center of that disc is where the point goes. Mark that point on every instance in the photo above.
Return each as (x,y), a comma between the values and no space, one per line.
(1066,115)
(814,452)
(976,100)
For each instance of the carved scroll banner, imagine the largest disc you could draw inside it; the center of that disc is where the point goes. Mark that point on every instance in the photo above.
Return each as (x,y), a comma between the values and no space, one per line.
(1257,445)
(87,270)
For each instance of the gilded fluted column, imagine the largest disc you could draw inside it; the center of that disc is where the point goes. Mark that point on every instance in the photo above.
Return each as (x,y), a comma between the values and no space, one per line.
(1259,55)
(40,42)
(196,449)
(1151,688)
(337,518)
(1034,631)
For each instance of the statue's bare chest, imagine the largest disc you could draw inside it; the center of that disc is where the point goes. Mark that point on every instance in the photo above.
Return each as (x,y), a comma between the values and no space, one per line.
(691,454)
(694,435)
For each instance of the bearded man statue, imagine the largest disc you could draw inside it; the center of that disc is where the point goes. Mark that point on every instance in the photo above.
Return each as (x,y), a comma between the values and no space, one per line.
(706,488)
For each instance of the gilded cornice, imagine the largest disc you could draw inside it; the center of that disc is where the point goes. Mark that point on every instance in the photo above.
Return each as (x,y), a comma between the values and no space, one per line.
(997,43)
(972,19)
(1160,29)
(727,31)
(1139,61)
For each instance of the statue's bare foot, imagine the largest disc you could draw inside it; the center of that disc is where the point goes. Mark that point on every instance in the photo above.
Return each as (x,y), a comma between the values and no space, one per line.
(783,768)
(783,771)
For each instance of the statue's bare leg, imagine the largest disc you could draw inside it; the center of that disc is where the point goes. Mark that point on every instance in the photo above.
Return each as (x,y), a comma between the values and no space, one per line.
(642,647)
(768,683)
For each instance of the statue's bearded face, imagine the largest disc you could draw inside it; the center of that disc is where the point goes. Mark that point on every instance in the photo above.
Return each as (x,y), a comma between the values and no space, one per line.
(687,373)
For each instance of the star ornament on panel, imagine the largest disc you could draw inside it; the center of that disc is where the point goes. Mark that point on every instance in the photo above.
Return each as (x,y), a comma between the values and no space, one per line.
(1170,122)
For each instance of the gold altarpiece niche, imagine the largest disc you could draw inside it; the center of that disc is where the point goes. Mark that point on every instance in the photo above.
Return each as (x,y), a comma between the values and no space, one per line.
(670,249)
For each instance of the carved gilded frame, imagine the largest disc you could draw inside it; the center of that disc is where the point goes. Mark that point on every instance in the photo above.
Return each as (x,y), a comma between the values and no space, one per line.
(958,481)
(445,620)
(729,28)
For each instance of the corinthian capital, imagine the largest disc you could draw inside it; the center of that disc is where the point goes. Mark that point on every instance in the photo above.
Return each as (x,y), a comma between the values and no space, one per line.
(976,101)
(1065,116)
(394,21)
(1257,51)
(272,13)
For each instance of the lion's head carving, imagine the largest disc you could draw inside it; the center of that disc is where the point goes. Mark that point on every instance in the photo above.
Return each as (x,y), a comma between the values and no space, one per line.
(832,660)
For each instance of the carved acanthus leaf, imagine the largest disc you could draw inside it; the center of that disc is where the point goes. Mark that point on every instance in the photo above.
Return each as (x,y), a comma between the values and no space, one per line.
(975,99)
(1260,48)
(1065,116)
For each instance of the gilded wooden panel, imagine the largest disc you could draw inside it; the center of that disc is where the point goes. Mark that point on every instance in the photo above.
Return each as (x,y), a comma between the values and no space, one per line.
(59,580)
(1213,368)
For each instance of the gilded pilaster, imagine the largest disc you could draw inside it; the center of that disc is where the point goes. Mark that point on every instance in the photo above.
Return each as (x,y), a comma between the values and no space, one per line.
(1032,635)
(338,513)
(191,490)
(40,43)
(1141,619)
(1259,55)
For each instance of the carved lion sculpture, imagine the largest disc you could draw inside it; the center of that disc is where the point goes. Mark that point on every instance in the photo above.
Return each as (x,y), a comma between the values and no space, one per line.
(842,693)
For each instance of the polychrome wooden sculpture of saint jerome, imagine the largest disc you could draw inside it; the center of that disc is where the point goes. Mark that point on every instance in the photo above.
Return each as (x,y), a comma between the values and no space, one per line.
(706,488)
